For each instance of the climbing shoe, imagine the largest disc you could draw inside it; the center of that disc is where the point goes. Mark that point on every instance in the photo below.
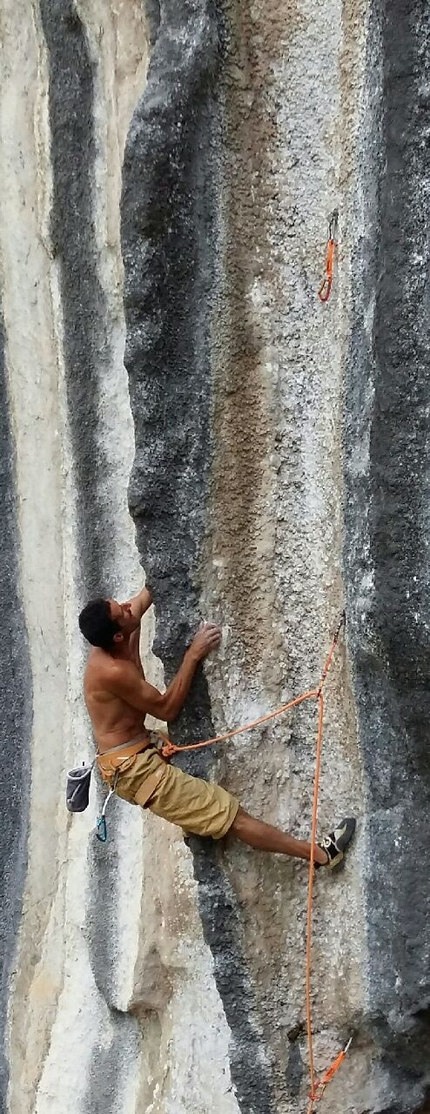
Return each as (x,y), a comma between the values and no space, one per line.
(336,843)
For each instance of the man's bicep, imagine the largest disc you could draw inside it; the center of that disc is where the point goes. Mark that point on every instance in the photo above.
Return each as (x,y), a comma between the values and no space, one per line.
(153,700)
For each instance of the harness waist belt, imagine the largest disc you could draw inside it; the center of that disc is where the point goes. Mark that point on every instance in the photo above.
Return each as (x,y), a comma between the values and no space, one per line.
(117,758)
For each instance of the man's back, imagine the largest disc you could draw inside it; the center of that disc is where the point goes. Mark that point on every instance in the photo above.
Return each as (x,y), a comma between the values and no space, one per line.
(114,721)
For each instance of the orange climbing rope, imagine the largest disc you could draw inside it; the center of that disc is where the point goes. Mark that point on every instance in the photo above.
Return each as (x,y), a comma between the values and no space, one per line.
(169,748)
(327,282)
(317,1087)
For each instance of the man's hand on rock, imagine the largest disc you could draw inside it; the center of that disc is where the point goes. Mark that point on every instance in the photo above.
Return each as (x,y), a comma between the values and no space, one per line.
(206,640)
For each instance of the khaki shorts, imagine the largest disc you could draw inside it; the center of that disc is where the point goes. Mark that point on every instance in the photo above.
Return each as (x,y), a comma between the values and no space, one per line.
(195,805)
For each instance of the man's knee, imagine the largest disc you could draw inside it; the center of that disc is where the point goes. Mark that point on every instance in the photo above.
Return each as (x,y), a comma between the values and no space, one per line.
(240,822)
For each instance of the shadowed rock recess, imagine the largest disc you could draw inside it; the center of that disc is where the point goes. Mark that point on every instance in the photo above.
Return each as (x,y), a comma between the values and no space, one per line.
(175,399)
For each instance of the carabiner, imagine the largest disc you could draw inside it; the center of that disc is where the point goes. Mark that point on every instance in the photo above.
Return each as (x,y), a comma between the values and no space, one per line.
(101,826)
(101,829)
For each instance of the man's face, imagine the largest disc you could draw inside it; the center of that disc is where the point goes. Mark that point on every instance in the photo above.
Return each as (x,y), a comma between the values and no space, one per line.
(122,614)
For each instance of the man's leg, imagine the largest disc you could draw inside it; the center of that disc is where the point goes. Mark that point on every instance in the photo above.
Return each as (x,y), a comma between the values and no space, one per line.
(206,809)
(265,837)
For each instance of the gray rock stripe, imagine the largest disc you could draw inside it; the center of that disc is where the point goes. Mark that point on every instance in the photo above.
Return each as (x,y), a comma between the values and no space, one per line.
(250,1067)
(388,539)
(168,241)
(86,357)
(71,96)
(15,721)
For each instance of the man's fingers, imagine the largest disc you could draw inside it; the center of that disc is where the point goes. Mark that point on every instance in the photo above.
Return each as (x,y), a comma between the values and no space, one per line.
(208,637)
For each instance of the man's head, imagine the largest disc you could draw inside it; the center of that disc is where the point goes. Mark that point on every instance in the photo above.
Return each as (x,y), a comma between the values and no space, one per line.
(105,623)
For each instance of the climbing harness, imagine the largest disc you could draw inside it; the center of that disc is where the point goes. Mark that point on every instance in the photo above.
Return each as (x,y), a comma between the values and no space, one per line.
(101,824)
(78,789)
(327,282)
(168,749)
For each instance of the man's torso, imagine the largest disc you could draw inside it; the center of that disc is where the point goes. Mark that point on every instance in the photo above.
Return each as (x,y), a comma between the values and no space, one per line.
(113,720)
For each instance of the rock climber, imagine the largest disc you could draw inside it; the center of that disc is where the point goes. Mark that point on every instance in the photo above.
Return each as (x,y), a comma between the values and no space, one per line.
(118,698)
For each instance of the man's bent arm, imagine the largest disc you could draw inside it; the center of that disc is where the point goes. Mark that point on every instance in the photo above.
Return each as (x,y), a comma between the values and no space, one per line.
(176,693)
(127,683)
(141,603)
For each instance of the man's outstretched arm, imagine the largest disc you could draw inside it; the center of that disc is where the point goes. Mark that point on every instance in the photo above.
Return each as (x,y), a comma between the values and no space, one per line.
(126,682)
(140,604)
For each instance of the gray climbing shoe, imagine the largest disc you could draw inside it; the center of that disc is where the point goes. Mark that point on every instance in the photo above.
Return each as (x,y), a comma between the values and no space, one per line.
(336,843)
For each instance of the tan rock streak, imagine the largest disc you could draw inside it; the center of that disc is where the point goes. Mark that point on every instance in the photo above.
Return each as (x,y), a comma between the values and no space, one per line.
(245,383)
(280,371)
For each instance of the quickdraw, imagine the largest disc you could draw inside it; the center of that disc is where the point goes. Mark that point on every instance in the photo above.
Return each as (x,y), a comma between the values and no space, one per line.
(327,282)
(321,1084)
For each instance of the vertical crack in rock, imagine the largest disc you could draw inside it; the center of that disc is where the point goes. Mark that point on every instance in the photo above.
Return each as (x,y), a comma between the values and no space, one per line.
(86,358)
(168,241)
(15,719)
(387,544)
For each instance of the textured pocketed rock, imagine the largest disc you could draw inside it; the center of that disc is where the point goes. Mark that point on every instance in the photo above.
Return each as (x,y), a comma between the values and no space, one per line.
(168,171)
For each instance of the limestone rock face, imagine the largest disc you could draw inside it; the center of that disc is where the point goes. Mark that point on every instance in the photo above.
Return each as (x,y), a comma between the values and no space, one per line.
(176,399)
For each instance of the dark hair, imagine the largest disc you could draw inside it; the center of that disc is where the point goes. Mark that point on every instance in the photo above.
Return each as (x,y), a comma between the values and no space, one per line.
(96,623)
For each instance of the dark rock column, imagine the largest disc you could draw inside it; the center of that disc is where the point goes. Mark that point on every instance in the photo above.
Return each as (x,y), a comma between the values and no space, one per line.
(169,221)
(388,539)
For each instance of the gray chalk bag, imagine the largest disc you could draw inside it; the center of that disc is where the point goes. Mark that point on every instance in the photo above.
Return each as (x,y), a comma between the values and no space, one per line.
(78,788)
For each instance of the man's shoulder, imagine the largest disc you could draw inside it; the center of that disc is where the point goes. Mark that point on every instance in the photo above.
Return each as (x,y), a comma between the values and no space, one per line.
(101,667)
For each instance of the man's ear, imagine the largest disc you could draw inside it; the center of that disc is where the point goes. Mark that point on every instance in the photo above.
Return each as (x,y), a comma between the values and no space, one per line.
(118,637)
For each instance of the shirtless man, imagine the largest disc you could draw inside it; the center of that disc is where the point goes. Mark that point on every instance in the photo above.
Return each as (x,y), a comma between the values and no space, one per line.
(118,698)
